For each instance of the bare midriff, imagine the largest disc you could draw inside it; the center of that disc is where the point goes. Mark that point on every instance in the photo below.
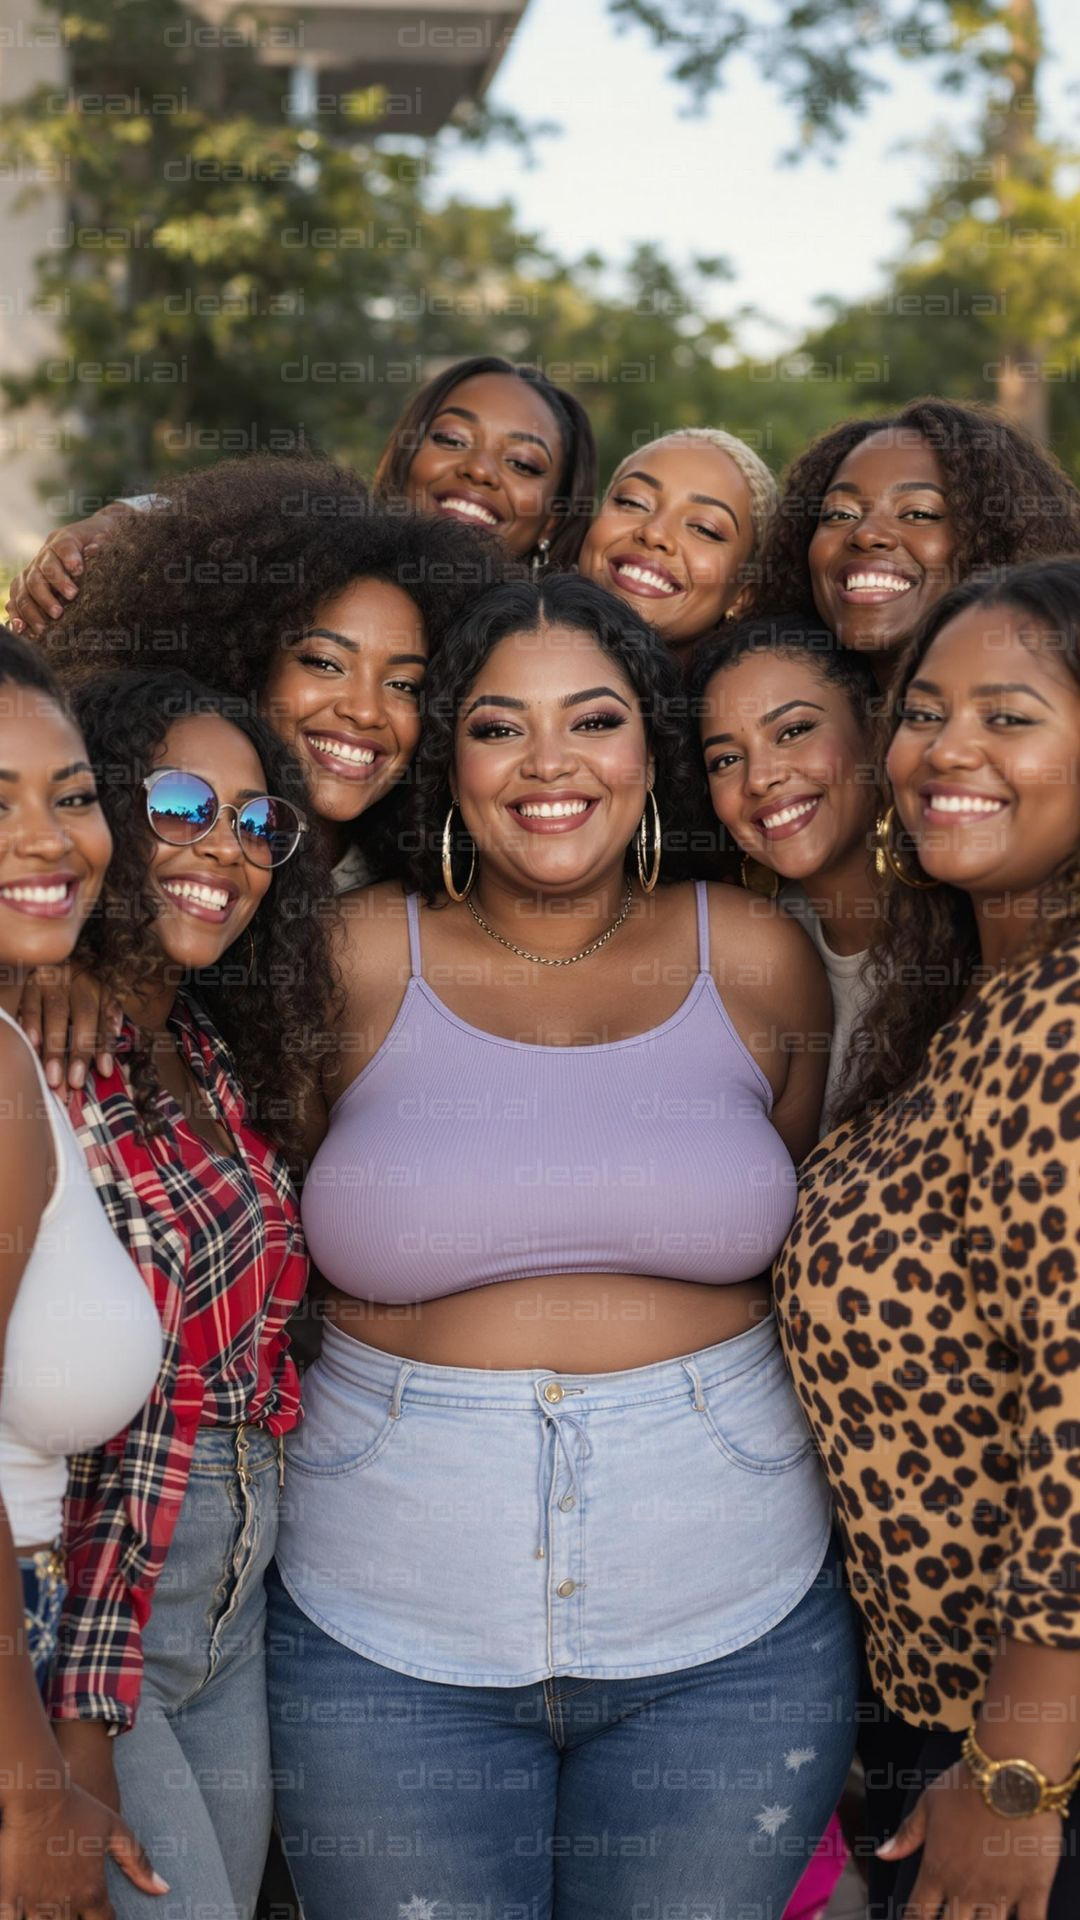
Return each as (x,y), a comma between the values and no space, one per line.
(567,1322)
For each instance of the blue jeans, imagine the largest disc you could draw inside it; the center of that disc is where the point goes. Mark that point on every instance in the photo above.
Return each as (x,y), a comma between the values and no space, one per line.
(694,1795)
(194,1771)
(493,1528)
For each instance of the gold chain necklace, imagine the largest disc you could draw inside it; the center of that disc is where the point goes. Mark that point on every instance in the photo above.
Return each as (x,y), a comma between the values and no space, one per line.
(541,959)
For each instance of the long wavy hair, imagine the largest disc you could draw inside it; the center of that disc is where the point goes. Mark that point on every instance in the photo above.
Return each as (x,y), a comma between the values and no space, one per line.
(270,998)
(1009,499)
(926,949)
(562,600)
(235,564)
(575,501)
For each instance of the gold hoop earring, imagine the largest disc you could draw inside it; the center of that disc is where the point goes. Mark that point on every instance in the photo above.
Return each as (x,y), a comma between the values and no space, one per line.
(648,869)
(886,856)
(758,878)
(448,860)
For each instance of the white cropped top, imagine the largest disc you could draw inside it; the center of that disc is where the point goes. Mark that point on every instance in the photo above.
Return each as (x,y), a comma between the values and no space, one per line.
(83,1342)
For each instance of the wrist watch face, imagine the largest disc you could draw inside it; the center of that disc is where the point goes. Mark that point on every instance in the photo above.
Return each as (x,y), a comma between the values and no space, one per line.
(1014,1791)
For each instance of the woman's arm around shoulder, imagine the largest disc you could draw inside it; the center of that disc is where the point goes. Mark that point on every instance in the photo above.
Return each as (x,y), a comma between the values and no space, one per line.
(773,984)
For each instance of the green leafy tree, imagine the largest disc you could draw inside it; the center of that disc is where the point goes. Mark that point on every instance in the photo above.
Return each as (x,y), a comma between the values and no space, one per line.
(231,280)
(995,235)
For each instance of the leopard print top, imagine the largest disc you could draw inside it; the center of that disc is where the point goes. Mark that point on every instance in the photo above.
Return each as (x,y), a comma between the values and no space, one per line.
(929,1304)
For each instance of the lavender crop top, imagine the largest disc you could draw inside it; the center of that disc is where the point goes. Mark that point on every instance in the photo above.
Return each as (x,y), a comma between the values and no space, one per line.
(457,1158)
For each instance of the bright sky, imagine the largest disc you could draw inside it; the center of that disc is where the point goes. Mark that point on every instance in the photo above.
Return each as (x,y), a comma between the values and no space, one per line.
(631,166)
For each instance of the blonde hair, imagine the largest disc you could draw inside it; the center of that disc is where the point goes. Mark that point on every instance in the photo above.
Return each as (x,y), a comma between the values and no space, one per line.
(760,484)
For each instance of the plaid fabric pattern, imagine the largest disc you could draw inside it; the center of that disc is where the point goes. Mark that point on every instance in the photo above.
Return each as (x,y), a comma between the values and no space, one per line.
(219,1245)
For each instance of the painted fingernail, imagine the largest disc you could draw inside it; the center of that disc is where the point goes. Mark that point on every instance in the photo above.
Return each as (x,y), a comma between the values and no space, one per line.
(106,1065)
(76,1073)
(886,1847)
(159,1885)
(16,626)
(52,1073)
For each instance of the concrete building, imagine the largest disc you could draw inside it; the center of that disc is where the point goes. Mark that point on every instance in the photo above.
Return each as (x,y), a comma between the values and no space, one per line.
(422,63)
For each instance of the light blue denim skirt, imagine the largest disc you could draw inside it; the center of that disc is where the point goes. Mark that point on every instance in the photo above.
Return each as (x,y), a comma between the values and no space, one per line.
(497,1528)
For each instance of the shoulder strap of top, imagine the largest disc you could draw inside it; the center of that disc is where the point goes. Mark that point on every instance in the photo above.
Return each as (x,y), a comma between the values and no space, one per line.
(702,893)
(412,909)
(52,1113)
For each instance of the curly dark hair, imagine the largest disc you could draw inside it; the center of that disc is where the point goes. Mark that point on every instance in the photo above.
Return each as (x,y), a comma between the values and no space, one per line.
(563,600)
(575,502)
(272,1006)
(926,949)
(1009,498)
(235,565)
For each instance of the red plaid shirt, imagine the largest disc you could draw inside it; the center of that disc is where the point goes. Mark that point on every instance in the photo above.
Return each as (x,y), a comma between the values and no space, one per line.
(219,1244)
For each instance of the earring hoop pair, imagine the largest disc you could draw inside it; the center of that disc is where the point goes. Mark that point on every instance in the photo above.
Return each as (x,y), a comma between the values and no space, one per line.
(648,860)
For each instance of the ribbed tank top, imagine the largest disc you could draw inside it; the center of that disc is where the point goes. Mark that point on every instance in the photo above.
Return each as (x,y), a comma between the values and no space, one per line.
(457,1157)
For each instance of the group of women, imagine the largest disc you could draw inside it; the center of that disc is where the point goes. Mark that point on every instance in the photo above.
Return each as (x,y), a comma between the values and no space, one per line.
(697,1300)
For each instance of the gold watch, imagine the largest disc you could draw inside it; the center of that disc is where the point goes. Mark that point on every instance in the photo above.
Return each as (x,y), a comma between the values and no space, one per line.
(1016,1789)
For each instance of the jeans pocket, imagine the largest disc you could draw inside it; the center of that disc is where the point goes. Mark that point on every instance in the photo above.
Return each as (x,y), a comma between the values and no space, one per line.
(755,1420)
(339,1433)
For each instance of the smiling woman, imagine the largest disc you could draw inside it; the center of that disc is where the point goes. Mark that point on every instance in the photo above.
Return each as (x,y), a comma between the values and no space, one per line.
(963,1121)
(502,448)
(880,517)
(295,593)
(785,719)
(679,530)
(208,937)
(549,1356)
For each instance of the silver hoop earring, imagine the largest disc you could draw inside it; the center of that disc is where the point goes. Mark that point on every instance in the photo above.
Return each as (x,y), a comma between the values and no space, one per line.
(541,556)
(448,860)
(648,869)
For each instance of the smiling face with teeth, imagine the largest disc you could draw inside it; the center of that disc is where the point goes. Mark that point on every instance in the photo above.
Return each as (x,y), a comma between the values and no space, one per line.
(207,893)
(787,765)
(882,551)
(985,759)
(672,533)
(55,844)
(346,696)
(551,764)
(492,457)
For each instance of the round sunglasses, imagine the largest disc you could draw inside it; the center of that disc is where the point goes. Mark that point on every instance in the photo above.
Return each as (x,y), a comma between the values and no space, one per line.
(182,808)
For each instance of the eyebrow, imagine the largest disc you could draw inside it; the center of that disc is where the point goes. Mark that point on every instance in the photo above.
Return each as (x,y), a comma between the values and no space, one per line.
(568,700)
(463,413)
(993,687)
(62,773)
(766,720)
(699,499)
(327,633)
(901,486)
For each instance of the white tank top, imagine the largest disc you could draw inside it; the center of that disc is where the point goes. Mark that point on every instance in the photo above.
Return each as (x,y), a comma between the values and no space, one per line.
(83,1342)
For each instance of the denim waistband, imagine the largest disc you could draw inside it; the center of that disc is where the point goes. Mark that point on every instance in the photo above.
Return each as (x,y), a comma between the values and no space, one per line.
(358,1365)
(244,1450)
